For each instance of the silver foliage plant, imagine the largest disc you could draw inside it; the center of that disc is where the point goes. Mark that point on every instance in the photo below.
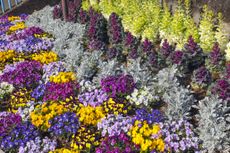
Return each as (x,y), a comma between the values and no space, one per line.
(214,124)
(89,66)
(142,76)
(108,68)
(179,99)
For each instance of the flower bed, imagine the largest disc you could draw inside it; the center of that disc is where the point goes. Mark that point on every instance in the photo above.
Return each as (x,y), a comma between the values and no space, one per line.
(124,95)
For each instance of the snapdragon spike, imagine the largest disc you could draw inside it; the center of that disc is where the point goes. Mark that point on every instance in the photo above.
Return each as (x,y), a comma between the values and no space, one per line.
(166,49)
(57,12)
(147,46)
(222,89)
(115,29)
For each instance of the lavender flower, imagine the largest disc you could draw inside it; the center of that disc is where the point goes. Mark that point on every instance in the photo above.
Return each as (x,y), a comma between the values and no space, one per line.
(114,125)
(93,98)
(39,145)
(179,136)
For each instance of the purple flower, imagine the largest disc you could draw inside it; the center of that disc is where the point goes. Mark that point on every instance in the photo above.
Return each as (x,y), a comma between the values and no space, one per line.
(26,74)
(57,12)
(118,86)
(151,117)
(64,125)
(93,98)
(56,91)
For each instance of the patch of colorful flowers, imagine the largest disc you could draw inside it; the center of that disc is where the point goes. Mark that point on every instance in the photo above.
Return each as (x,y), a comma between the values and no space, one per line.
(151,86)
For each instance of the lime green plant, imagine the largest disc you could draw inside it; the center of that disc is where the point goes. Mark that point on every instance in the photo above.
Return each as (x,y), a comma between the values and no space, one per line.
(86,4)
(206,29)
(220,33)
(165,23)
(107,7)
(227,52)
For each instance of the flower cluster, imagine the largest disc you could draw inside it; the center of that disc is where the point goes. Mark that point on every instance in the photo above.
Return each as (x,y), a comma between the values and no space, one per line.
(26,74)
(148,137)
(39,145)
(118,86)
(154,116)
(143,96)
(63,77)
(93,98)
(179,136)
(45,57)
(222,89)
(85,139)
(57,91)
(19,136)
(6,56)
(52,69)
(8,121)
(17,26)
(19,99)
(89,115)
(64,125)
(114,125)
(41,115)
(117,144)
(114,107)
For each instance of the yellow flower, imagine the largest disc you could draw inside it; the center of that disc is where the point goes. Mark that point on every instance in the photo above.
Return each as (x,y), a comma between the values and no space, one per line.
(45,57)
(13,18)
(43,113)
(90,115)
(63,77)
(17,26)
(141,134)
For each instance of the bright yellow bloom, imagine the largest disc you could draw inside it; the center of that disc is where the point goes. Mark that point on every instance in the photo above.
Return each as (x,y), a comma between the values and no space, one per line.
(141,134)
(13,18)
(18,26)
(45,57)
(7,55)
(20,99)
(63,77)
(89,115)
(43,113)
(64,150)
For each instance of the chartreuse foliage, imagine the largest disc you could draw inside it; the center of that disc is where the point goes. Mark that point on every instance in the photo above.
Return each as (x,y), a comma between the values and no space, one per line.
(148,19)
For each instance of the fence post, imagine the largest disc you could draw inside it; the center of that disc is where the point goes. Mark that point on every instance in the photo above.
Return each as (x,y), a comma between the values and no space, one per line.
(9,4)
(2,6)
(64,9)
